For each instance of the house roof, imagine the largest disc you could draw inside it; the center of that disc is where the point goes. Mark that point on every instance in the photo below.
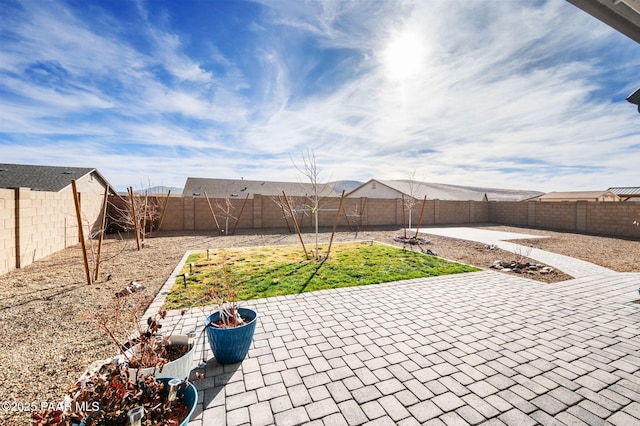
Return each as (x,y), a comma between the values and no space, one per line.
(621,15)
(223,188)
(441,191)
(574,195)
(627,192)
(42,178)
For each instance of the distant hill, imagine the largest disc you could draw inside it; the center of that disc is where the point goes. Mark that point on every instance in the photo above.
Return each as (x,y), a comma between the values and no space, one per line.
(160,190)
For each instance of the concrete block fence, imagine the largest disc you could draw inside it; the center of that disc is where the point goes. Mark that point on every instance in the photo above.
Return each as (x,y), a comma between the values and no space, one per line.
(189,214)
(35,224)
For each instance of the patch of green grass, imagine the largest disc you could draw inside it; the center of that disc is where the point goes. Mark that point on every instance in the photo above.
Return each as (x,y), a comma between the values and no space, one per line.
(276,271)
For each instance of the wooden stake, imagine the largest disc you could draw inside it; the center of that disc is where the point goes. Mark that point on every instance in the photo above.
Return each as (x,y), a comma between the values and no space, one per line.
(76,200)
(421,213)
(135,218)
(404,220)
(295,225)
(164,208)
(105,203)
(335,223)
(284,214)
(233,231)
(215,219)
(143,231)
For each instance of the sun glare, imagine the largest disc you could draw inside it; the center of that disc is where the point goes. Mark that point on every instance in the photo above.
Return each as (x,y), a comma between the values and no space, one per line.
(403,57)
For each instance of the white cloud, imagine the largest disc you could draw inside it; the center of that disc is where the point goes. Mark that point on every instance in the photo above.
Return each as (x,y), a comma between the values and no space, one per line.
(506,95)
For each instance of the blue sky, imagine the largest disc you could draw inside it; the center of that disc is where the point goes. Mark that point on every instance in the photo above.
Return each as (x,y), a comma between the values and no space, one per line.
(507,94)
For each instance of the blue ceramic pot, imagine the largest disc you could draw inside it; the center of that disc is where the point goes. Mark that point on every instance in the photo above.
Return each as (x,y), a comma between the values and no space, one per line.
(231,345)
(189,396)
(187,392)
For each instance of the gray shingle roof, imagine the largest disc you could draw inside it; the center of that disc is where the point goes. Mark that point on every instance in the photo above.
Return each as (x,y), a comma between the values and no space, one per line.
(39,178)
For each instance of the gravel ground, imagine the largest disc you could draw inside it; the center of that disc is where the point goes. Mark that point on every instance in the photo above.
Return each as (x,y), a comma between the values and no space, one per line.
(48,340)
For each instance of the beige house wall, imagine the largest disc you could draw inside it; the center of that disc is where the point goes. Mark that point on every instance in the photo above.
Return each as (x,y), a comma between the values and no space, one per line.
(374,189)
(608,197)
(91,190)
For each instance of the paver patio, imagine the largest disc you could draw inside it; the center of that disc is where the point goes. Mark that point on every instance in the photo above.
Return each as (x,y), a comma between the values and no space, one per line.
(473,348)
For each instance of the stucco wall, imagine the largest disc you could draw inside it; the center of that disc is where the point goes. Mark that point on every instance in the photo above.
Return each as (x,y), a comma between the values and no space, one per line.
(374,190)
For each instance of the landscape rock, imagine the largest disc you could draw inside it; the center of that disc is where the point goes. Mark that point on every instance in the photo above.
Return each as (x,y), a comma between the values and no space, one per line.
(521,267)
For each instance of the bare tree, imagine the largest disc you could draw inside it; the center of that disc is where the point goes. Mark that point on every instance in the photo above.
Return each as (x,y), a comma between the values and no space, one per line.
(312,172)
(412,198)
(227,208)
(144,215)
(296,207)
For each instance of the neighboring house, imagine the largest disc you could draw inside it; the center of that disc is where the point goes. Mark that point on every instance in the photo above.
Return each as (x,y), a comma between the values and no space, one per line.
(579,196)
(89,183)
(376,188)
(240,188)
(628,193)
(50,178)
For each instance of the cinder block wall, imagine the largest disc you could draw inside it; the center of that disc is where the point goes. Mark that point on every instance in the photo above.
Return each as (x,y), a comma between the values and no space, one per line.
(509,213)
(381,211)
(36,224)
(613,218)
(187,214)
(195,213)
(46,224)
(7,230)
(600,218)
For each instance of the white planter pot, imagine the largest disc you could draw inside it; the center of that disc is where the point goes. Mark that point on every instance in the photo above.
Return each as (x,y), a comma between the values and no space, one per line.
(180,368)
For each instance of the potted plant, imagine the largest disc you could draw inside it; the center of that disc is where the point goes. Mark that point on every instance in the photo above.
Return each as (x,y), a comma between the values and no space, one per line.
(111,396)
(134,387)
(145,350)
(163,355)
(230,329)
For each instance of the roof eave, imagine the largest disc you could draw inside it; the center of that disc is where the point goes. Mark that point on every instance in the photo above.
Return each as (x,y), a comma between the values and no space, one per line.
(617,14)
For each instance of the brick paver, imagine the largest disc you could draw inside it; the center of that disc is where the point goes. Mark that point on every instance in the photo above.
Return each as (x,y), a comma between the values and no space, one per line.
(469,348)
